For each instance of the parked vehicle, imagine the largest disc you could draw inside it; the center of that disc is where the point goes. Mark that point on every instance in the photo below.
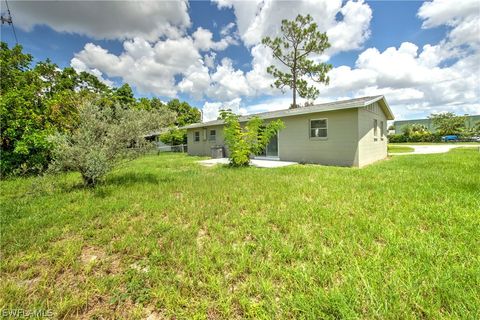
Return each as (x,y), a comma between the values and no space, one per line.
(450,138)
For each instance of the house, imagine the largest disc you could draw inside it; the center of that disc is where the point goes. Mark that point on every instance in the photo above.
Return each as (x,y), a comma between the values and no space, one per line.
(341,133)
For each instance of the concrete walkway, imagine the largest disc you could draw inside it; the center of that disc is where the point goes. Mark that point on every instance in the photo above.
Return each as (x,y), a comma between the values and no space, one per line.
(254,162)
(431,148)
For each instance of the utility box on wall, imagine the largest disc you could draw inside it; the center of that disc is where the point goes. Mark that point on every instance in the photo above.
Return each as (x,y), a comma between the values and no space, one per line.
(217,152)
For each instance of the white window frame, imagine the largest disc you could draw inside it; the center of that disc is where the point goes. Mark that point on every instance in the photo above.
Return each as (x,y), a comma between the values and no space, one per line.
(210,135)
(382,130)
(195,136)
(310,129)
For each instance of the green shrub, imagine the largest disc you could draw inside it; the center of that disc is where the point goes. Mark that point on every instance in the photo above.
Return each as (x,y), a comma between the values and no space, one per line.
(104,138)
(252,139)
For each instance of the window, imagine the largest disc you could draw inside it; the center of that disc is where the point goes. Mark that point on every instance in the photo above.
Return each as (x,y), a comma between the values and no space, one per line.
(196,136)
(318,128)
(382,130)
(375,129)
(212,135)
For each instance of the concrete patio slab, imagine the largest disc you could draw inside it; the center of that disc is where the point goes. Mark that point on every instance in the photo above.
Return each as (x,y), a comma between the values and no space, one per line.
(254,162)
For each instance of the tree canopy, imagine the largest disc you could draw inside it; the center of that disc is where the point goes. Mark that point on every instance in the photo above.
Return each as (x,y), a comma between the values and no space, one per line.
(299,40)
(40,100)
(448,123)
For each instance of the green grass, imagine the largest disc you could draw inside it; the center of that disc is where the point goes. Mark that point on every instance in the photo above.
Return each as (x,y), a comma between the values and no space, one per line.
(163,236)
(473,143)
(399,149)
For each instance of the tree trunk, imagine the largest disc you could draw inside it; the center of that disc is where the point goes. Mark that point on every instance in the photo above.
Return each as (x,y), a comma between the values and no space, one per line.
(294,104)
(294,84)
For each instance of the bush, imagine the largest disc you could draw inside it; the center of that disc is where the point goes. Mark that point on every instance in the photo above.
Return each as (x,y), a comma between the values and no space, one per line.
(104,138)
(415,137)
(252,139)
(397,138)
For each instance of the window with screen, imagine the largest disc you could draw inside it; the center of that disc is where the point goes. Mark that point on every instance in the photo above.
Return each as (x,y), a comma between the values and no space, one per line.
(212,135)
(318,128)
(196,136)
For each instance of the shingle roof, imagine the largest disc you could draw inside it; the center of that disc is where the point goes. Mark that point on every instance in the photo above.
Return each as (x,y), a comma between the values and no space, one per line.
(323,107)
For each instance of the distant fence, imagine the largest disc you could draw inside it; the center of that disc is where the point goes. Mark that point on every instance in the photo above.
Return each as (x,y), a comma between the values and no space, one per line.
(176,148)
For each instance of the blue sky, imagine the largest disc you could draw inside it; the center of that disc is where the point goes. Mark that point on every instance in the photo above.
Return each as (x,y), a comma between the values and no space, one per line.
(408,50)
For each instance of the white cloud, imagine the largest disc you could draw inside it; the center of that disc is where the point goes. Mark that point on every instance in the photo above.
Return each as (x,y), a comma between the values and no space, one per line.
(228,83)
(211,110)
(228,29)
(79,66)
(353,30)
(153,67)
(203,40)
(106,19)
(416,80)
(462,16)
(209,59)
(257,19)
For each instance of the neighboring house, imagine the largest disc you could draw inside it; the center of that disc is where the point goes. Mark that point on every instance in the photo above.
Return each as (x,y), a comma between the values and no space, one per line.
(470,122)
(343,133)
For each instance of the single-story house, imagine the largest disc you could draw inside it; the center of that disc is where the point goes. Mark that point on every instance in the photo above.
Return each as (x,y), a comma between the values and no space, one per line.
(341,133)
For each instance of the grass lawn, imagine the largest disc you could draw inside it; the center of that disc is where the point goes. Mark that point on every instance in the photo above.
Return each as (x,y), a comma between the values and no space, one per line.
(399,149)
(473,143)
(165,237)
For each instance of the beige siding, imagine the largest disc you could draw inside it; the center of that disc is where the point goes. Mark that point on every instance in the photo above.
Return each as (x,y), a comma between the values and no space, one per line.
(371,148)
(202,148)
(339,148)
(350,140)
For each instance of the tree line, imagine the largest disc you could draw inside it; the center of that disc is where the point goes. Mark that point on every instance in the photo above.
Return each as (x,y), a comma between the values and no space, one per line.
(42,100)
(444,123)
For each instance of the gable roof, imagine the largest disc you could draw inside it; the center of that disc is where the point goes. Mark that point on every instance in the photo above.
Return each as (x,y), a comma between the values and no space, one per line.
(322,107)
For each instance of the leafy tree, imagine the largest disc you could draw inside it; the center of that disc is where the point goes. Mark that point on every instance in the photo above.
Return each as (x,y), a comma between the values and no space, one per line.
(252,139)
(448,123)
(300,38)
(24,121)
(476,128)
(34,103)
(408,130)
(90,83)
(104,138)
(174,137)
(124,95)
(186,114)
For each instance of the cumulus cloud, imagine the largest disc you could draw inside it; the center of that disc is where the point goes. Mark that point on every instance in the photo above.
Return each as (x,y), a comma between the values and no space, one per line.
(106,19)
(204,40)
(153,67)
(211,110)
(257,19)
(79,66)
(411,83)
(462,16)
(416,80)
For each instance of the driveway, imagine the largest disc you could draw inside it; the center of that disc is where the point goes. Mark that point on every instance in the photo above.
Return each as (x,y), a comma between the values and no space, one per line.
(432,148)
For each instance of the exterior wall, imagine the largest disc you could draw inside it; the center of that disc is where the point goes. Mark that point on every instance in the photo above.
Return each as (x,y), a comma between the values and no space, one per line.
(350,138)
(339,148)
(371,148)
(202,147)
